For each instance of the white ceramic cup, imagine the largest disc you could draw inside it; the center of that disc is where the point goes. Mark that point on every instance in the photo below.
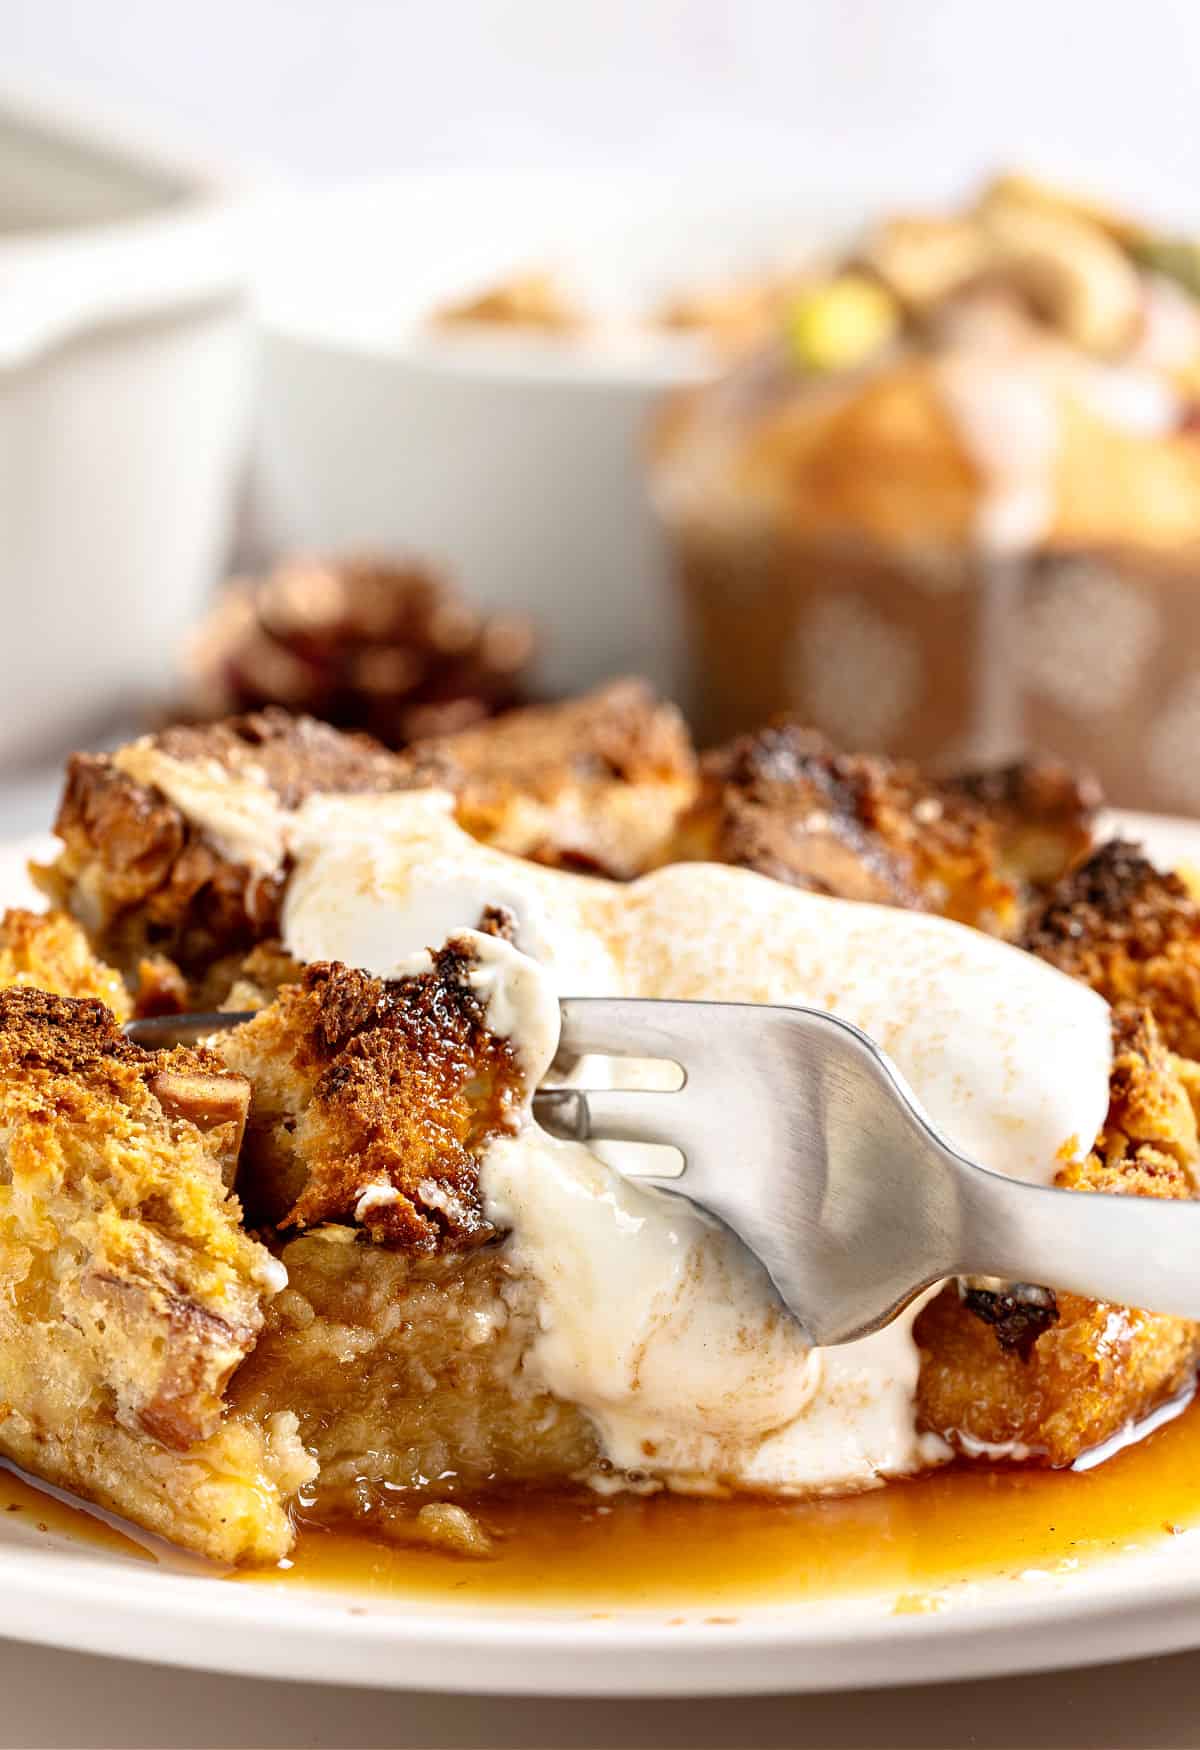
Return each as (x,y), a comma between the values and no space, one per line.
(515,460)
(124,387)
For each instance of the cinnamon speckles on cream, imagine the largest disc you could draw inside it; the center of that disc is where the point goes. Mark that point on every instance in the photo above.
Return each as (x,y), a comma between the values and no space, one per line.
(660,1326)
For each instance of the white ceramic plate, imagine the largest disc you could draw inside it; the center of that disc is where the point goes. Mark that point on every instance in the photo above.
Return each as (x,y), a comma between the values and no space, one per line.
(67,1593)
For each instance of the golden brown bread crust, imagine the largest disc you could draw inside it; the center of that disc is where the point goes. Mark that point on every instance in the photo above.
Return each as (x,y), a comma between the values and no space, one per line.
(131,1292)
(1130,931)
(620,731)
(296,756)
(862,417)
(880,457)
(43,1031)
(145,882)
(593,783)
(1041,811)
(388,1088)
(1096,1367)
(49,951)
(783,802)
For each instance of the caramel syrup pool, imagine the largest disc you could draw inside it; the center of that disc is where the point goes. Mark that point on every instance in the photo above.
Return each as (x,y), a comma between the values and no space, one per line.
(665,1551)
(909,1538)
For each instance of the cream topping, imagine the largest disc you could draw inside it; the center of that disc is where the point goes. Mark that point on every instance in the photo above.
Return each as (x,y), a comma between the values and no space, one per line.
(655,1321)
(662,1327)
(658,1323)
(238,812)
(1008,1056)
(270,1274)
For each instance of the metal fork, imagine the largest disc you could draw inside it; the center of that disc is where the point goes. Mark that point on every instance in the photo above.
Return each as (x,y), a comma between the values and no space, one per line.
(801,1136)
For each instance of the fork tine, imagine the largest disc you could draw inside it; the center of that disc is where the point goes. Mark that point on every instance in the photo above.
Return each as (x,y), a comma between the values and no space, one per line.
(160,1032)
(623,1115)
(621,1027)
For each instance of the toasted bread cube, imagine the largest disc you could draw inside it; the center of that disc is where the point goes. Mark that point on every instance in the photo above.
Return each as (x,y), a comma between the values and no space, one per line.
(1094,1368)
(595,783)
(1132,933)
(148,883)
(373,1100)
(785,803)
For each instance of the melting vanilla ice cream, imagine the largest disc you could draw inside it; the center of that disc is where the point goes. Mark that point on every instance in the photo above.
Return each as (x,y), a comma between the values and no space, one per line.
(239,812)
(654,1320)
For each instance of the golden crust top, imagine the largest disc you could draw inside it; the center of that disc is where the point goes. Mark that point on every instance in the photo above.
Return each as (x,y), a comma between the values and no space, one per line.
(592,783)
(148,884)
(1130,931)
(49,951)
(782,801)
(1148,1147)
(43,1032)
(884,460)
(373,1101)
(879,409)
(296,756)
(621,731)
(1090,1369)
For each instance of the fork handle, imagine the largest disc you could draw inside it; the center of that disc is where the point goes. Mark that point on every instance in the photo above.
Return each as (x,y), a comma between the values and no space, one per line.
(1131,1251)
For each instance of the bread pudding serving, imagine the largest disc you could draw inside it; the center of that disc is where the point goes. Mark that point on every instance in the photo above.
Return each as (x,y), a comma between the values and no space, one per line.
(951,504)
(327,1265)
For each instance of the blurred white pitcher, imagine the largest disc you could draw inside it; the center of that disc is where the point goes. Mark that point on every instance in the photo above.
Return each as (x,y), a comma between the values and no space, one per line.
(124,361)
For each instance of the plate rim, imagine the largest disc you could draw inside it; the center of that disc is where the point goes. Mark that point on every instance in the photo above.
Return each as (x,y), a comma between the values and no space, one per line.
(1104,1610)
(1109,1607)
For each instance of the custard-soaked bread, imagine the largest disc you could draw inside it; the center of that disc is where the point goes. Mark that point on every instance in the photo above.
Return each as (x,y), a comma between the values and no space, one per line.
(407,1376)
(594,783)
(131,1291)
(782,801)
(1053,1393)
(144,880)
(49,951)
(261,976)
(373,1101)
(1132,933)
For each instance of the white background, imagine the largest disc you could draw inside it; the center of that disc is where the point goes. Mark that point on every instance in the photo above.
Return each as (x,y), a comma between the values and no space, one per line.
(920,90)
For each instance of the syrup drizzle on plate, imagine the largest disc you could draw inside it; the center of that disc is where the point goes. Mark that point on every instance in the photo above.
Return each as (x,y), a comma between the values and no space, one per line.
(913,1538)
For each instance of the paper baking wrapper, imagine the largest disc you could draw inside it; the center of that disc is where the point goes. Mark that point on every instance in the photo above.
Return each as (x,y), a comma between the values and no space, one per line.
(1094,656)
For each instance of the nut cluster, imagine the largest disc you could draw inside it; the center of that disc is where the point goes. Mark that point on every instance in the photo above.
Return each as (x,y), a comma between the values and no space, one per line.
(1077,270)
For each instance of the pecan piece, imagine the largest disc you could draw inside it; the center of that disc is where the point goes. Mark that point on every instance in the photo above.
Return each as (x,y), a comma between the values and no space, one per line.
(209,1101)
